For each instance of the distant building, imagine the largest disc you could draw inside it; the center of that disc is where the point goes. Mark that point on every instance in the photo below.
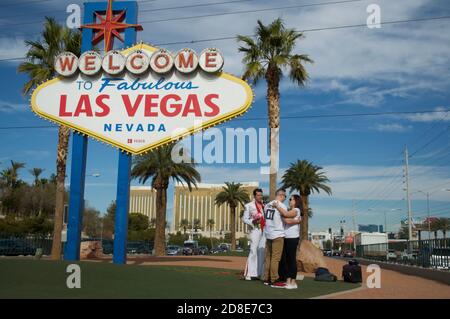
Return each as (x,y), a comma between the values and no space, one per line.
(370,228)
(199,204)
(143,200)
(319,238)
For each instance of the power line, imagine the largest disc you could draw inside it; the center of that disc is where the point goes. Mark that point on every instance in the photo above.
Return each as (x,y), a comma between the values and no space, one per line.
(253,11)
(301,31)
(430,141)
(140,11)
(265,118)
(22,3)
(431,129)
(344,115)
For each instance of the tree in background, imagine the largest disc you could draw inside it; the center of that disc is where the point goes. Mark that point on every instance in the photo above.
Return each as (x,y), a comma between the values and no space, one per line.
(267,57)
(159,166)
(40,67)
(232,194)
(305,178)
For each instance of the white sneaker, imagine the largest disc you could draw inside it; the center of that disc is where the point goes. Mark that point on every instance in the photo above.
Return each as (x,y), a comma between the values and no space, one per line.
(248,278)
(291,286)
(300,277)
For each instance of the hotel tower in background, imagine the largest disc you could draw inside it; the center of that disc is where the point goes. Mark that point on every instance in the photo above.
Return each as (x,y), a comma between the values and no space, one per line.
(197,204)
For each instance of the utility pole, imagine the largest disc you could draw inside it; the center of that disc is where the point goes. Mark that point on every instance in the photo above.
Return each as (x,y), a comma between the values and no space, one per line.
(408,200)
(428,211)
(354,224)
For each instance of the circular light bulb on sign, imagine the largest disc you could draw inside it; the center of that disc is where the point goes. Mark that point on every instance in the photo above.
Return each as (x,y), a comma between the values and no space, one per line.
(161,61)
(211,60)
(90,63)
(113,62)
(186,61)
(66,63)
(137,62)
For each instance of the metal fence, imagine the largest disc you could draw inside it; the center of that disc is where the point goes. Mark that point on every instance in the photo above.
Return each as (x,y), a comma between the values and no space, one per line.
(24,245)
(433,253)
(27,245)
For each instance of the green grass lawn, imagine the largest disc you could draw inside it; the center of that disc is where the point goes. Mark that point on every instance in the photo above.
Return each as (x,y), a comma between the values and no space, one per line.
(47,279)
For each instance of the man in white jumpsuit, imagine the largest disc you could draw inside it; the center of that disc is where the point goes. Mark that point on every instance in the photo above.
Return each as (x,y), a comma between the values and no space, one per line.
(254,268)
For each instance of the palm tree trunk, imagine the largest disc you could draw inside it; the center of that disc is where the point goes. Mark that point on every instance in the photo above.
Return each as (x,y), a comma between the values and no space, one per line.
(210,236)
(305,218)
(233,228)
(273,103)
(160,231)
(61,160)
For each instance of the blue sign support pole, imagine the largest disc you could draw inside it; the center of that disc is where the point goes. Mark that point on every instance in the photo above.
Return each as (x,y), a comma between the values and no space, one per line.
(124,169)
(79,155)
(122,206)
(76,203)
(78,170)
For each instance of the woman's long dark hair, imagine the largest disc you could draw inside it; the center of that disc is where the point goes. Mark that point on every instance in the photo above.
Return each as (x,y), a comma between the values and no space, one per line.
(298,201)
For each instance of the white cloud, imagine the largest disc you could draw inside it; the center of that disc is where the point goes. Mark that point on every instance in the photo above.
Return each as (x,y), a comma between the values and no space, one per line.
(12,48)
(348,182)
(383,182)
(394,127)
(430,117)
(10,107)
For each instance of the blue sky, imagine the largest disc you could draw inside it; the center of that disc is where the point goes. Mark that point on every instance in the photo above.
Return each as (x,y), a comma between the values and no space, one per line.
(397,68)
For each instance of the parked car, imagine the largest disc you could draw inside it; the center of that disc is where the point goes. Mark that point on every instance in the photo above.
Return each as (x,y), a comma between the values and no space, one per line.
(215,250)
(239,249)
(336,253)
(137,248)
(408,256)
(327,252)
(391,255)
(16,247)
(191,247)
(348,254)
(203,250)
(172,250)
(108,247)
(440,258)
(225,247)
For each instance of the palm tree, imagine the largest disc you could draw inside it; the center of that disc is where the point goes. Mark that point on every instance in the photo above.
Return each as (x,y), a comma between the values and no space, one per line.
(36,172)
(232,194)
(15,166)
(197,224)
(7,176)
(160,167)
(152,222)
(40,67)
(184,223)
(305,178)
(443,224)
(267,57)
(210,223)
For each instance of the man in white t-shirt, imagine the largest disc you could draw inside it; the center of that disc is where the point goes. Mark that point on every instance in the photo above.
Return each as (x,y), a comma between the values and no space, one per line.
(274,232)
(254,217)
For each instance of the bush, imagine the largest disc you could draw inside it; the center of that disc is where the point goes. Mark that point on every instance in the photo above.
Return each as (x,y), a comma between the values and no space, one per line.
(147,235)
(34,225)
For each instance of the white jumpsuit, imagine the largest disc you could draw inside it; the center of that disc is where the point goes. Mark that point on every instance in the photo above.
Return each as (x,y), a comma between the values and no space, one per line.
(255,260)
